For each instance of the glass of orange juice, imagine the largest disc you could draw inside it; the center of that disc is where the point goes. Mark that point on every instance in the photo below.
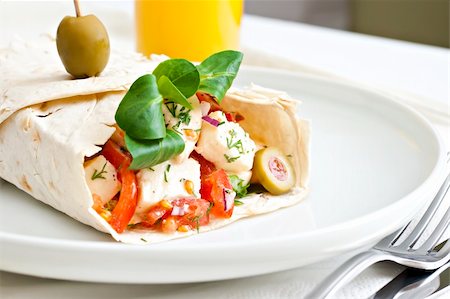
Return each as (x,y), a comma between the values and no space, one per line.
(191,29)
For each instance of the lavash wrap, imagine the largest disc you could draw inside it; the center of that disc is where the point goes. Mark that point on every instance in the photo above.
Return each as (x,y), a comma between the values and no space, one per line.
(49,124)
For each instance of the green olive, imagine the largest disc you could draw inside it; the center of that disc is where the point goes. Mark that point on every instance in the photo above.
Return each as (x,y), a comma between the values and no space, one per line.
(83,45)
(273,170)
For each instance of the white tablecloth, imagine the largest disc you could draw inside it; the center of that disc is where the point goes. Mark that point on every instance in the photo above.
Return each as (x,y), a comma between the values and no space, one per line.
(394,66)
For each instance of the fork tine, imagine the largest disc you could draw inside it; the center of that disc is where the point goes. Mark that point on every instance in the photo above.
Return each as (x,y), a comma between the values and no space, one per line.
(412,238)
(434,238)
(444,252)
(392,238)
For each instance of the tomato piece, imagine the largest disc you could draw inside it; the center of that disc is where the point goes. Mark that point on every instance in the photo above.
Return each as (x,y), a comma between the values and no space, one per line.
(191,212)
(126,206)
(155,214)
(234,116)
(196,213)
(115,155)
(213,190)
(204,97)
(206,167)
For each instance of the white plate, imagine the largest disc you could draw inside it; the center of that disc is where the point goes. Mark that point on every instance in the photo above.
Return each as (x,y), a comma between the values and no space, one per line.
(375,163)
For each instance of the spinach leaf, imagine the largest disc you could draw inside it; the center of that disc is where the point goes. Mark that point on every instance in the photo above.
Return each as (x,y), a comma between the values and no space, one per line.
(238,185)
(171,92)
(140,111)
(184,77)
(218,71)
(148,153)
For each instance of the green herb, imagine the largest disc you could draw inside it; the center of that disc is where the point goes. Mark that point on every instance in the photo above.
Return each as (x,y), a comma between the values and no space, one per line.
(238,185)
(143,240)
(196,219)
(140,112)
(238,202)
(218,71)
(184,117)
(197,226)
(166,172)
(290,156)
(221,123)
(183,114)
(172,107)
(238,145)
(211,204)
(231,159)
(231,143)
(176,127)
(178,79)
(131,226)
(150,168)
(148,153)
(99,175)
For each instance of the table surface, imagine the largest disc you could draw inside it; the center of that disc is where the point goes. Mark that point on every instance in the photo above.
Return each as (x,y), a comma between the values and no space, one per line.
(411,68)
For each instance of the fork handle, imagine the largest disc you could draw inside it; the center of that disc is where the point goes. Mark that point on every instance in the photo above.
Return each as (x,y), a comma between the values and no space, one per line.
(345,273)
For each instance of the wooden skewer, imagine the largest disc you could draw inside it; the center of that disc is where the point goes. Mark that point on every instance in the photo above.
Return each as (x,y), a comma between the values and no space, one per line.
(77,8)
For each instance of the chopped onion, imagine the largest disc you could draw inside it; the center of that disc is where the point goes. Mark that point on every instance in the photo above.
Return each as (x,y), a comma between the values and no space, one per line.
(180,211)
(211,121)
(228,198)
(177,211)
(205,107)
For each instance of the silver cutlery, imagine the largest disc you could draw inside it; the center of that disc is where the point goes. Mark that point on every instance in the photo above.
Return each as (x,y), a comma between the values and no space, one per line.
(393,248)
(415,284)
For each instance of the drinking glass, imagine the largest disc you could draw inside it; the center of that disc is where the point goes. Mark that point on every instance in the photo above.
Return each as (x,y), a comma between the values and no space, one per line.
(191,29)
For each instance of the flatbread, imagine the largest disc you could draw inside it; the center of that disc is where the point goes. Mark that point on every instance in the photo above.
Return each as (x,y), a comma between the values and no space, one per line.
(33,73)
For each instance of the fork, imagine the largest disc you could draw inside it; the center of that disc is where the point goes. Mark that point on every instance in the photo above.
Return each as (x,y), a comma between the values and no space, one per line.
(424,257)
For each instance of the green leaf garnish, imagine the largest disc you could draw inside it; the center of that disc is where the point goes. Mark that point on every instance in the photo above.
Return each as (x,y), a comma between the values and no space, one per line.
(181,80)
(238,186)
(170,91)
(175,80)
(218,71)
(140,112)
(148,153)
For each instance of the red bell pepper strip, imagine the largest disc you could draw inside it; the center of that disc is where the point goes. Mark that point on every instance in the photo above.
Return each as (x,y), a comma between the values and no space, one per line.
(126,206)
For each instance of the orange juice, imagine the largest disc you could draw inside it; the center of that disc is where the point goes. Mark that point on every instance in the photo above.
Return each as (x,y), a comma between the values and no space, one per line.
(191,29)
